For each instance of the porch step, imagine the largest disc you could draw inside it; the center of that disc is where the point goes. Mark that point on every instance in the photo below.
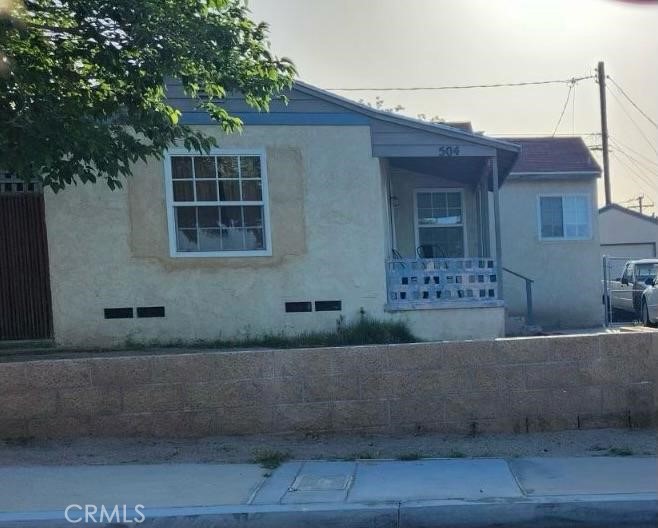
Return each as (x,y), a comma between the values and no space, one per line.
(516,326)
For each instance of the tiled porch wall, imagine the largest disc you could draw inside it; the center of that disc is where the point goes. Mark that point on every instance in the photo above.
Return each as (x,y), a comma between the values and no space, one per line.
(510,385)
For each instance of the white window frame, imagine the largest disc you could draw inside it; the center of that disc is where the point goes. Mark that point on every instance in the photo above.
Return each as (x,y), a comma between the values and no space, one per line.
(417,227)
(588,200)
(171,217)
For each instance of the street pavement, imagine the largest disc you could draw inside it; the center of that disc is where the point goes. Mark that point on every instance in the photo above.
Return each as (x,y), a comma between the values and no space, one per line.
(479,492)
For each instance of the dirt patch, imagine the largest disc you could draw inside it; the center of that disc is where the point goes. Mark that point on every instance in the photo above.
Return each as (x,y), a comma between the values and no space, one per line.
(233,449)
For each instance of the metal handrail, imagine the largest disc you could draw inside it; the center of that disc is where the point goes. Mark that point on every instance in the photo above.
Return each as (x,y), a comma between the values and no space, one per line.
(528,294)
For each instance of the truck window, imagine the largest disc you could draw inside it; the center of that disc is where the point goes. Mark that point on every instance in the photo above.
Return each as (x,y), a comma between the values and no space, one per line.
(644,271)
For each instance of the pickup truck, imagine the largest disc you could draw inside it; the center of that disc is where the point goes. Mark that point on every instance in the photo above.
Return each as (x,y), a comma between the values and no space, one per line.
(635,291)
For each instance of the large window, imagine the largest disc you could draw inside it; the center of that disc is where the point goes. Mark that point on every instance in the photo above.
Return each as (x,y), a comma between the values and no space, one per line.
(440,223)
(565,217)
(217,204)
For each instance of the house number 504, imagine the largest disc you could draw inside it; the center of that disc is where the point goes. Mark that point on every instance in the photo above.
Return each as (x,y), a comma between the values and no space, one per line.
(449,150)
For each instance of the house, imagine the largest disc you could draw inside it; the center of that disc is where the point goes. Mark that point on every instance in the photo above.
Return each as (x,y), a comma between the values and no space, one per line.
(320,208)
(550,232)
(626,234)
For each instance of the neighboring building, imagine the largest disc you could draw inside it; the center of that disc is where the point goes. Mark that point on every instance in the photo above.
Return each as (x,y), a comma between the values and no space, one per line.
(550,232)
(319,208)
(626,234)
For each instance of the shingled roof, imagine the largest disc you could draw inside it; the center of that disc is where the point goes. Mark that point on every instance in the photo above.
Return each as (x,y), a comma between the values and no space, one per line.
(553,155)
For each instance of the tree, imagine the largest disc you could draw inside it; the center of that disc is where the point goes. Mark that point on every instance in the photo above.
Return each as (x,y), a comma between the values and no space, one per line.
(82,82)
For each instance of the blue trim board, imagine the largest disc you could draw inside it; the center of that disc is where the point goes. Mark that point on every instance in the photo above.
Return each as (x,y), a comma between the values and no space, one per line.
(255,118)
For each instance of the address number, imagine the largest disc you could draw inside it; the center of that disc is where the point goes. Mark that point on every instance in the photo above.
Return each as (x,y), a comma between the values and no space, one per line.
(449,150)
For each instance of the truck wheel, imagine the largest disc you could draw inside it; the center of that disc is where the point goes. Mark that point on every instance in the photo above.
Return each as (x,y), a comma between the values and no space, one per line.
(645,314)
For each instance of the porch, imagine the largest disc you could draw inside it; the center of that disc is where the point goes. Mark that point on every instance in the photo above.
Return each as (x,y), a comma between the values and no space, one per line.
(443,226)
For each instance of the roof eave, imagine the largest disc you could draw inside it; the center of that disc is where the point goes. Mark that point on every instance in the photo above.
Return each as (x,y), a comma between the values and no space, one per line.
(435,128)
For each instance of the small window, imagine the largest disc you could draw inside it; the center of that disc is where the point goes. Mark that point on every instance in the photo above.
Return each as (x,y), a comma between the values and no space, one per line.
(565,217)
(298,306)
(217,204)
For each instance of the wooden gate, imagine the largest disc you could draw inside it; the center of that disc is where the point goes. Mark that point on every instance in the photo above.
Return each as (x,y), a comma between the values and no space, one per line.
(25,308)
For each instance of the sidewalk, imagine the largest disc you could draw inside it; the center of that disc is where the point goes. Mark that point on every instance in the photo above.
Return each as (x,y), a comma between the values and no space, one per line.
(537,492)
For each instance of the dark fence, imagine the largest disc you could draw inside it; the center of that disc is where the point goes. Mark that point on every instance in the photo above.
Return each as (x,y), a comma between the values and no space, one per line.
(25,309)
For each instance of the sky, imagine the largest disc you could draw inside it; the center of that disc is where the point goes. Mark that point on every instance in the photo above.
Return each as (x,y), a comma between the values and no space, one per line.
(411,43)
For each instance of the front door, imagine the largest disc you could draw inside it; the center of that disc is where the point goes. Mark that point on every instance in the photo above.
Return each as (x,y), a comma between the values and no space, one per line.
(25,308)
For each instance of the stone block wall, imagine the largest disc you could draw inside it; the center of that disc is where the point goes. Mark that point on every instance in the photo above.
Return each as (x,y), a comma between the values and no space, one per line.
(503,385)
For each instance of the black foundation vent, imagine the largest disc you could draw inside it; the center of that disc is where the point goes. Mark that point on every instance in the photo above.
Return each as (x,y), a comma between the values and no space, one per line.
(299,306)
(118,313)
(150,311)
(328,306)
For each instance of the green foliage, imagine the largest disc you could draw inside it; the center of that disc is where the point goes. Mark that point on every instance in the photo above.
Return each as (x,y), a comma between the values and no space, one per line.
(364,331)
(82,82)
(620,451)
(410,456)
(270,458)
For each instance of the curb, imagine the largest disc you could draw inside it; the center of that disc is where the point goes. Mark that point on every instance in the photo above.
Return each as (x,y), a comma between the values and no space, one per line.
(595,511)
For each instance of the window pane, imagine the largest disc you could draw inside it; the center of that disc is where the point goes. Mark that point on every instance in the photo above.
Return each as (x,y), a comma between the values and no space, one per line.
(576,216)
(204,167)
(208,216)
(249,167)
(229,190)
(210,240)
(254,239)
(424,200)
(439,200)
(227,166)
(253,216)
(551,217)
(187,240)
(445,242)
(232,239)
(251,190)
(206,191)
(232,216)
(186,217)
(433,208)
(183,191)
(454,199)
(181,167)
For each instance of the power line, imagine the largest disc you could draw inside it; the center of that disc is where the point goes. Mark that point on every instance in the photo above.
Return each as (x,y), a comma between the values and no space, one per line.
(638,162)
(621,90)
(636,152)
(649,179)
(639,129)
(639,177)
(563,108)
(573,80)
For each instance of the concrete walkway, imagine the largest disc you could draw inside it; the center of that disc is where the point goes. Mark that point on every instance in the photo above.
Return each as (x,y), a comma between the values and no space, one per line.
(537,492)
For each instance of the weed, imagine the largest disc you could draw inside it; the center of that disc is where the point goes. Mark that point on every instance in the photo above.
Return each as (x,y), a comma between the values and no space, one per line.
(363,455)
(363,331)
(410,456)
(620,451)
(270,458)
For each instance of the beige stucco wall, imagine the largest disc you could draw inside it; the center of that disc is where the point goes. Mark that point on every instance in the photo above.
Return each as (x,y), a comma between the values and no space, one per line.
(403,186)
(110,249)
(567,274)
(454,323)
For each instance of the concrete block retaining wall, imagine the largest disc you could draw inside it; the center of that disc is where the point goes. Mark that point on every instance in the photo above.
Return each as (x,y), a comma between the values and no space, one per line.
(506,385)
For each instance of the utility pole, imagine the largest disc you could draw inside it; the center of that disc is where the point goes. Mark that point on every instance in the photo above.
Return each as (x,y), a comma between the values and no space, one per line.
(640,199)
(604,134)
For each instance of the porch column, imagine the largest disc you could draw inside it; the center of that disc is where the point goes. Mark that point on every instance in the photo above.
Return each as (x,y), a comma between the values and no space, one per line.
(499,244)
